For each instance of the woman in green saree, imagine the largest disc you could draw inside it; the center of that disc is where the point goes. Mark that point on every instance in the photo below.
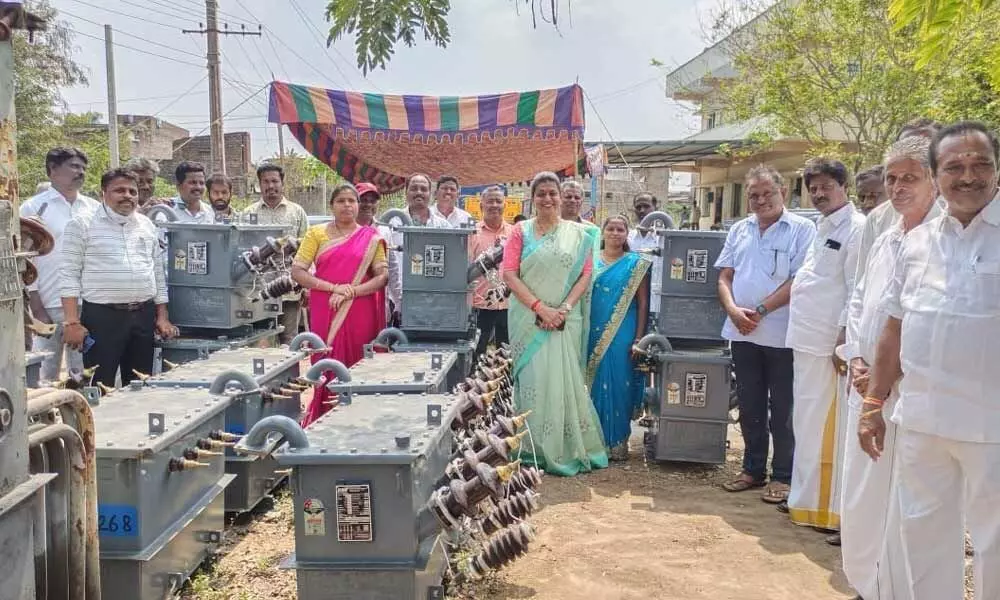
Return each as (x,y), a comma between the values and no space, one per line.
(547,266)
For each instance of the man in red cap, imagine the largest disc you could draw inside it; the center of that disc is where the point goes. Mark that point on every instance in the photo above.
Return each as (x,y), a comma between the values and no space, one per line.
(368,197)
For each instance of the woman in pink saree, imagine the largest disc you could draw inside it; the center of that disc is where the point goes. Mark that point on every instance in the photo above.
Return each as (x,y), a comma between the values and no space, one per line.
(346,291)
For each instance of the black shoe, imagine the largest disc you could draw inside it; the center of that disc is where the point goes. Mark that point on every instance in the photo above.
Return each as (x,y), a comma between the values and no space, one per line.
(782,507)
(834,540)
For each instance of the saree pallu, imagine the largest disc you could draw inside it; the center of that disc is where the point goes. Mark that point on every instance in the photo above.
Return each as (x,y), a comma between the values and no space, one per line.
(356,321)
(615,384)
(565,436)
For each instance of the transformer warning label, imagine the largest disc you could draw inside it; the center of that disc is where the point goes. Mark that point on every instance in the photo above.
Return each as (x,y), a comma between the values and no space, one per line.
(433,260)
(694,390)
(697,266)
(354,512)
(314,517)
(197,258)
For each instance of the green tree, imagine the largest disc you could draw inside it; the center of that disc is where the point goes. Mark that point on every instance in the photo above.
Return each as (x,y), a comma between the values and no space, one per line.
(378,26)
(937,22)
(820,70)
(41,70)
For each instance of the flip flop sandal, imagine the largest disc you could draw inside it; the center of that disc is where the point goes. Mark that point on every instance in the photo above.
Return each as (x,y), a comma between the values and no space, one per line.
(741,485)
(776,493)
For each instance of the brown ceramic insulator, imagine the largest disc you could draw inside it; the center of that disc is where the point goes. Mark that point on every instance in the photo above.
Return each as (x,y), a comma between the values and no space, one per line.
(225,436)
(35,237)
(527,479)
(509,511)
(30,273)
(502,549)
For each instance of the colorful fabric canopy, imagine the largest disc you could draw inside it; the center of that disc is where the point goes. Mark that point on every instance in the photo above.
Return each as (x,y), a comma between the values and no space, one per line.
(382,138)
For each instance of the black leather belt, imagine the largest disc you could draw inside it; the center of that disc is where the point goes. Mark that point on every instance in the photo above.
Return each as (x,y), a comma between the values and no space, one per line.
(128,306)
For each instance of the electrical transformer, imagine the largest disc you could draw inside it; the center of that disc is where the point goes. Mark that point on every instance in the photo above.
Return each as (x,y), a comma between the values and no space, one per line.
(272,390)
(435,286)
(691,411)
(160,477)
(689,297)
(215,273)
(464,349)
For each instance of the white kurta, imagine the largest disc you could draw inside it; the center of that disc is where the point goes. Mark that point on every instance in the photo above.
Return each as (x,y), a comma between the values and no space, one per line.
(818,310)
(871,543)
(946,292)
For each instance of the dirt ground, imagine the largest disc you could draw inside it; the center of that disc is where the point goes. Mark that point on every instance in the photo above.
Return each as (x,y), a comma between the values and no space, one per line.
(633,531)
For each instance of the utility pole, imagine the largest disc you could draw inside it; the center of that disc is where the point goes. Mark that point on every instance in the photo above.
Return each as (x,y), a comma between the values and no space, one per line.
(109,60)
(218,154)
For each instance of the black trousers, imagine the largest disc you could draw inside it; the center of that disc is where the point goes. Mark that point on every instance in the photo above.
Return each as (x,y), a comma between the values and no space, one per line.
(764,378)
(492,324)
(122,339)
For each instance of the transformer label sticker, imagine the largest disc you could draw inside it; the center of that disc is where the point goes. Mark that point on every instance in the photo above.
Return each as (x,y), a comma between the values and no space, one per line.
(117,520)
(197,258)
(676,268)
(694,390)
(673,393)
(433,260)
(416,264)
(697,266)
(354,512)
(314,517)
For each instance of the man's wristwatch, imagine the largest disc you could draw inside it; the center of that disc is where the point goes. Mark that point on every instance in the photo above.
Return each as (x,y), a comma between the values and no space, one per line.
(761,310)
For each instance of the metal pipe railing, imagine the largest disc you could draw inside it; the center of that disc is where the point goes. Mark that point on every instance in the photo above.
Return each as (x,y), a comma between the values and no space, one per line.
(73,454)
(74,409)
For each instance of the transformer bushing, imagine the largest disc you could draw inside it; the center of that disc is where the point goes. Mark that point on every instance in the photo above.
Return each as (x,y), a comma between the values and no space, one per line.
(271,390)
(161,477)
(215,273)
(362,477)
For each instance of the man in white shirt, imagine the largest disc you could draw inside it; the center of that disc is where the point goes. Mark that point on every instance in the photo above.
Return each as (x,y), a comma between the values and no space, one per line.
(643,204)
(761,256)
(274,209)
(942,337)
(190,202)
(871,189)
(871,544)
(446,197)
(368,199)
(55,207)
(111,259)
(816,326)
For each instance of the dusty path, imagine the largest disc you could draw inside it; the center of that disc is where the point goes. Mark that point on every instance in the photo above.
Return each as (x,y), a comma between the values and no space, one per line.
(633,531)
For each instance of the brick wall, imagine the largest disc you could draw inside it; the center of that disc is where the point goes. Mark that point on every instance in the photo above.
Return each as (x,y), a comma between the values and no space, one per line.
(199,149)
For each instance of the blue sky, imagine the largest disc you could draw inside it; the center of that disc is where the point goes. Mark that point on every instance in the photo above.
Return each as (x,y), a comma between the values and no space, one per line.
(493,49)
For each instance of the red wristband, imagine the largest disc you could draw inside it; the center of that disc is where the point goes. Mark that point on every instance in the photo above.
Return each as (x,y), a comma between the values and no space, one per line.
(534,305)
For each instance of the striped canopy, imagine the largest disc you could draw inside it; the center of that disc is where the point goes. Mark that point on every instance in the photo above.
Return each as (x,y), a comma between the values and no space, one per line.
(382,138)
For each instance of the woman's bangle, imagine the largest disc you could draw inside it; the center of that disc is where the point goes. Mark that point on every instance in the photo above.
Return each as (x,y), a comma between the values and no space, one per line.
(567,306)
(534,305)
(350,291)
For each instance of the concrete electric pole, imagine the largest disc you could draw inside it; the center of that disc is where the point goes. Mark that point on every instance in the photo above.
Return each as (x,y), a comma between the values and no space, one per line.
(218,156)
(109,54)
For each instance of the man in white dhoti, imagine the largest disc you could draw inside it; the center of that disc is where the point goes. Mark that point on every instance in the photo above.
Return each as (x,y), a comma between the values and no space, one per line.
(869,516)
(943,337)
(816,325)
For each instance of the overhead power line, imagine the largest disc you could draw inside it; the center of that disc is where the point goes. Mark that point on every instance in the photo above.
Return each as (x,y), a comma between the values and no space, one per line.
(128,15)
(125,33)
(134,49)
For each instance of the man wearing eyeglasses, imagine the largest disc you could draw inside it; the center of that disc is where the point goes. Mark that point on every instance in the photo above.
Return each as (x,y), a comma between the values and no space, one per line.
(757,264)
(816,326)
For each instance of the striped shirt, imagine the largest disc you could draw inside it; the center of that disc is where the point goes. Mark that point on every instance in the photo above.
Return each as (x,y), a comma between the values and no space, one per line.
(111,259)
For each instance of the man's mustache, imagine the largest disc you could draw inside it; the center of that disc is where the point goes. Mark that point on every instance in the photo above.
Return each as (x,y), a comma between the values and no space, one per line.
(970,187)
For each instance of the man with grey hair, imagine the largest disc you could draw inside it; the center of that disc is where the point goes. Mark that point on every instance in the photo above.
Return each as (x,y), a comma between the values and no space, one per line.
(870,529)
(146,171)
(757,264)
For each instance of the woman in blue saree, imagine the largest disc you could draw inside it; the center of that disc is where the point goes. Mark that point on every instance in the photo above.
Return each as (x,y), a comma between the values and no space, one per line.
(618,312)
(547,266)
